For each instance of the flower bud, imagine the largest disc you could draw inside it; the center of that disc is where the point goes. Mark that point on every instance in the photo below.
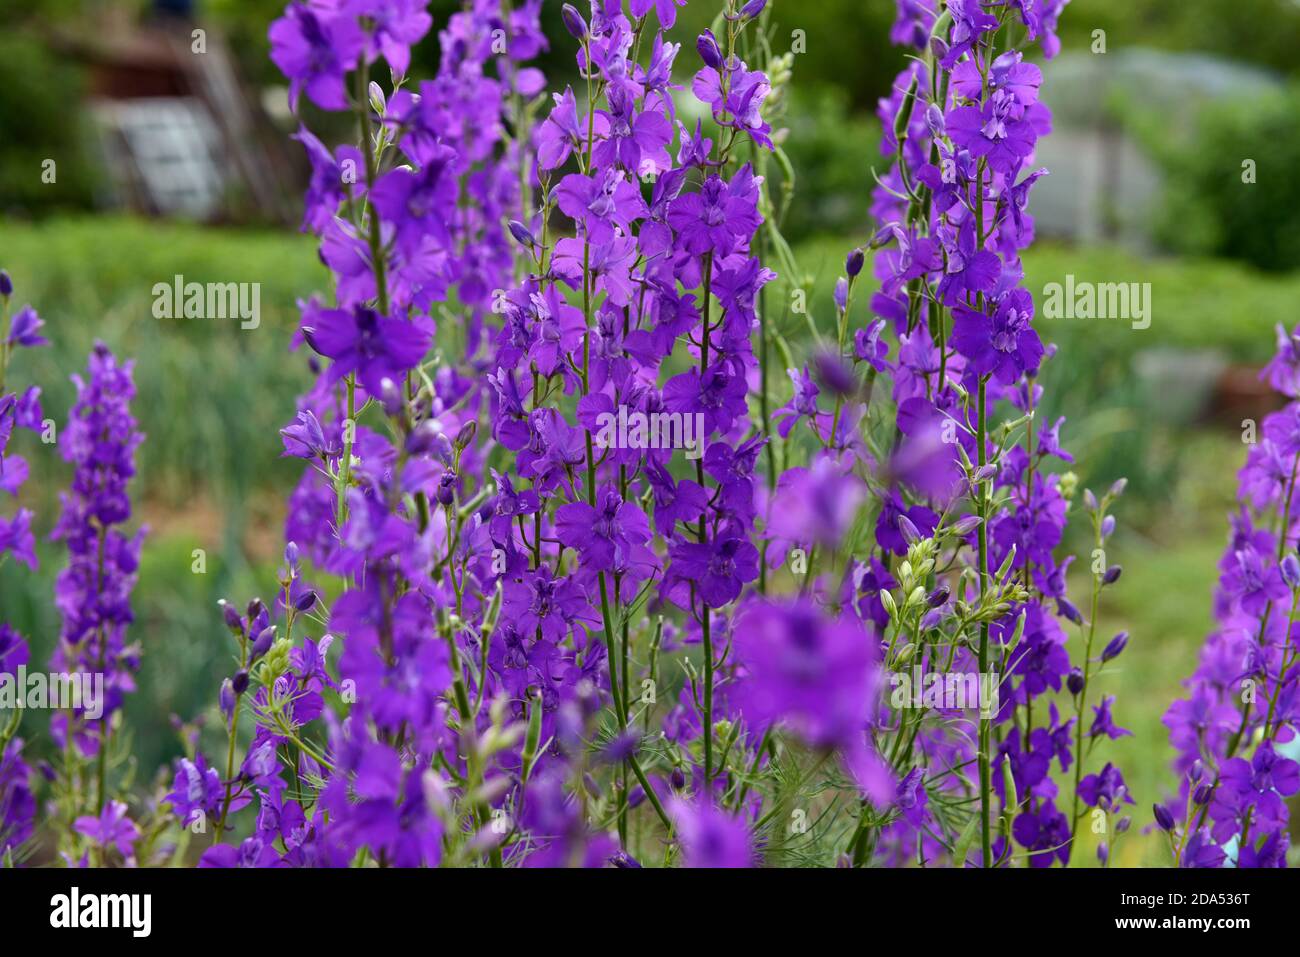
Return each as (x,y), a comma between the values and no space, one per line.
(233,621)
(262,643)
(1111,575)
(424,437)
(887,600)
(911,534)
(834,374)
(390,396)
(709,51)
(6,284)
(938,597)
(934,120)
(522,234)
(1291,571)
(466,435)
(1197,771)
(1164,819)
(1115,647)
(377,101)
(1074,681)
(255,608)
(854,263)
(447,488)
(1202,794)
(939,47)
(677,779)
(277,659)
(291,553)
(239,683)
(573,22)
(753,8)
(1069,611)
(306,601)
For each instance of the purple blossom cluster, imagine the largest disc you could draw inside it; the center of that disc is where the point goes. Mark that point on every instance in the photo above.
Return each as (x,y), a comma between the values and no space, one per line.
(961,487)
(508,592)
(22,330)
(501,638)
(1235,731)
(93,592)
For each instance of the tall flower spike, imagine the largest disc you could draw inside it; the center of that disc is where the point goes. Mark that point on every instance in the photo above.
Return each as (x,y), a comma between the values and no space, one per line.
(93,592)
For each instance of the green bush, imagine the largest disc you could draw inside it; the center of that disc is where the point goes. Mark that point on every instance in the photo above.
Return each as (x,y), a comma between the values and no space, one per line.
(40,99)
(832,151)
(1210,209)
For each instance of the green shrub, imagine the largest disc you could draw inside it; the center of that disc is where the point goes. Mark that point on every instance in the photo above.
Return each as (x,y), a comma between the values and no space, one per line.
(1209,208)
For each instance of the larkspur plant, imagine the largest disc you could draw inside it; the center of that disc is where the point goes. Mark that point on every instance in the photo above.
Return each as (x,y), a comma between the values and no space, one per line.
(496,641)
(1235,731)
(93,593)
(959,490)
(22,330)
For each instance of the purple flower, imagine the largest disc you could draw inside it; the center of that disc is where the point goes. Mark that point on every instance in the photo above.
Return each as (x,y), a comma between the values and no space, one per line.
(1106,789)
(600,205)
(24,329)
(604,537)
(315,47)
(111,829)
(818,676)
(1201,851)
(719,568)
(1104,723)
(967,270)
(719,217)
(93,593)
(710,837)
(816,505)
(1045,833)
(1003,344)
(666,10)
(196,791)
(418,205)
(361,341)
(17,799)
(1254,581)
(16,538)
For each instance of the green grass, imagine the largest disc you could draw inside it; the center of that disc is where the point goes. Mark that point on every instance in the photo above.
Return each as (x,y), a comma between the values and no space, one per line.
(211,399)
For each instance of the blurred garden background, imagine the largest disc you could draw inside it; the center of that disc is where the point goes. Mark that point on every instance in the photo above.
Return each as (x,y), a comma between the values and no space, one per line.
(1158,104)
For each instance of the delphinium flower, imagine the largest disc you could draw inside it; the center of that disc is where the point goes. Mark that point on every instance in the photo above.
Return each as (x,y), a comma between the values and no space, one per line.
(662,264)
(1234,731)
(957,484)
(390,741)
(93,593)
(21,330)
(505,641)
